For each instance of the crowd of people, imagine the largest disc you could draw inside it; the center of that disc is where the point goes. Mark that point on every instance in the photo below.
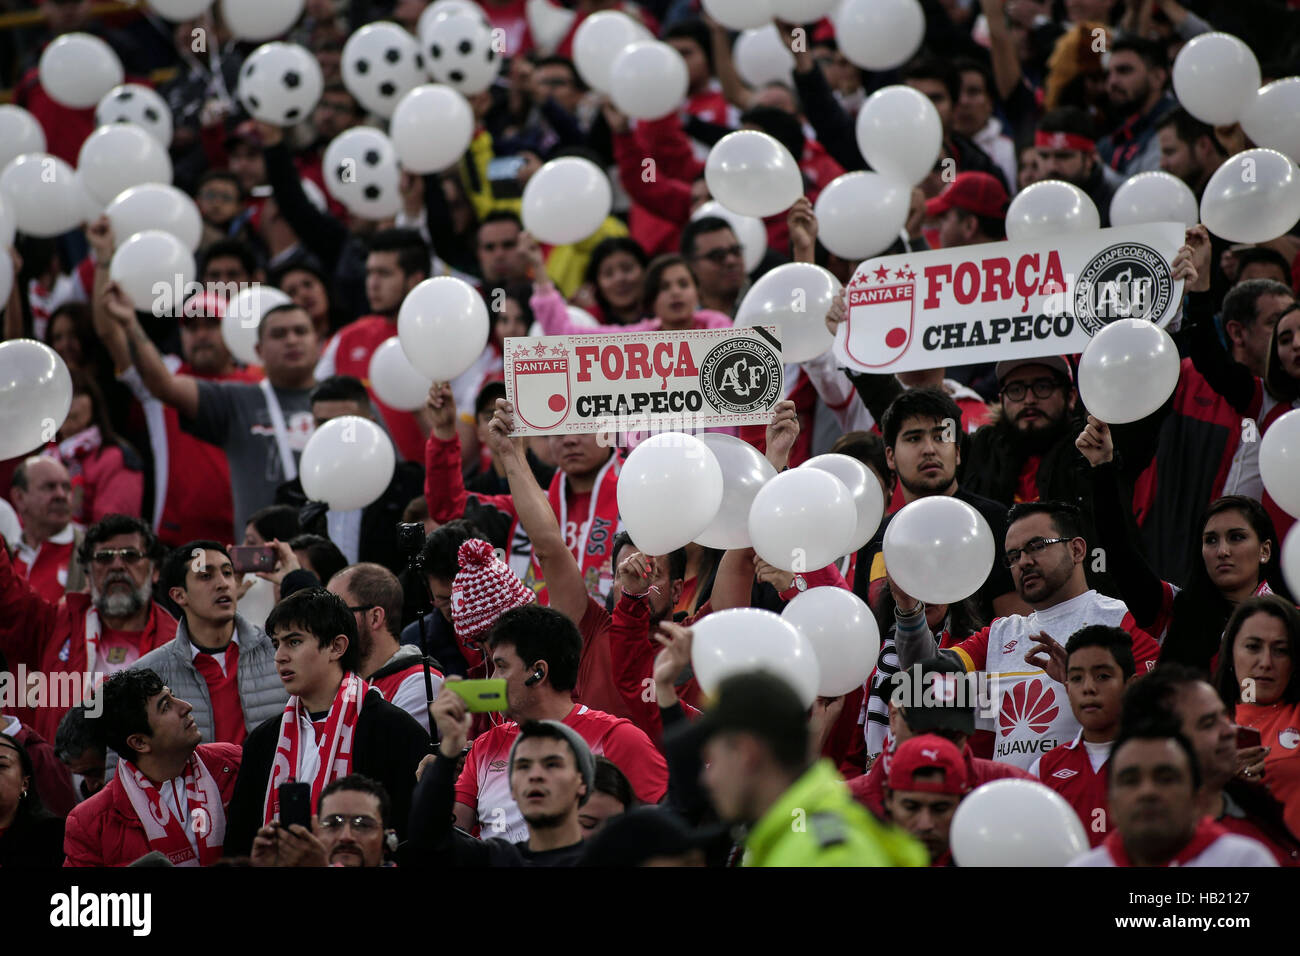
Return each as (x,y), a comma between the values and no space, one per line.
(231,640)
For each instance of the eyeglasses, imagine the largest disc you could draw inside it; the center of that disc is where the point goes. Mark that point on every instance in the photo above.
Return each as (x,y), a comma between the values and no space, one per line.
(1043,388)
(1032,546)
(360,823)
(128,555)
(719,256)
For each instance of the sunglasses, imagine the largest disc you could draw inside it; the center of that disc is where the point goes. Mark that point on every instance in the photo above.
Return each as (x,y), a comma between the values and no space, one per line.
(360,823)
(129,556)
(721,255)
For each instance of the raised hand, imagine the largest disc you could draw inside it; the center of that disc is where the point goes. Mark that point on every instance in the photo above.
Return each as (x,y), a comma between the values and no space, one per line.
(1095,442)
(441,405)
(782,433)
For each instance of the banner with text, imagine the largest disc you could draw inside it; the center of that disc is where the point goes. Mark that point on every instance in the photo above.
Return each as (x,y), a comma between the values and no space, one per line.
(644,381)
(1006,300)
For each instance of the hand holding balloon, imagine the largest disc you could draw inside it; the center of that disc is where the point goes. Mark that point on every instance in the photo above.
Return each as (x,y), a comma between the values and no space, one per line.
(1197,245)
(839,312)
(802,223)
(782,433)
(442,411)
(767,574)
(501,438)
(1095,442)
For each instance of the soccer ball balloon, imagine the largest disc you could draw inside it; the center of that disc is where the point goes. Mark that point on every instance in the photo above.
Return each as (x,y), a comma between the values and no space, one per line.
(460,53)
(280,84)
(381,64)
(361,172)
(133,103)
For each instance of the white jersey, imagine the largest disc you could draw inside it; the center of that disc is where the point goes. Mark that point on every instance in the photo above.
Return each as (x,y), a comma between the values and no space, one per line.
(1228,850)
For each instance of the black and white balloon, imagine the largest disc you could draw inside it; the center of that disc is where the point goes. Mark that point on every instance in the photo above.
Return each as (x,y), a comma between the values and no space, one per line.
(138,105)
(361,172)
(459,52)
(280,84)
(381,64)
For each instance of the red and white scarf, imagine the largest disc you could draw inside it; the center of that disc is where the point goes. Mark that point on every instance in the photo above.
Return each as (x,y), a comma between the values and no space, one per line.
(1207,831)
(192,838)
(319,761)
(592,550)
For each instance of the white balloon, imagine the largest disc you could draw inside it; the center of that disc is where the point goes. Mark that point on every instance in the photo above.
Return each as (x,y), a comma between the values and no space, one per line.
(280,83)
(431,128)
(381,64)
(43,195)
(566,200)
(6,271)
(862,486)
(156,206)
(443,327)
(8,229)
(146,260)
(1270,119)
(744,471)
(259,20)
(361,172)
(1016,822)
(582,317)
(899,133)
(802,519)
(459,52)
(879,34)
(19,134)
(750,232)
(669,491)
(739,14)
(843,633)
(1257,207)
(1050,208)
(446,8)
(939,549)
(77,69)
(91,208)
(1215,78)
(137,104)
(648,80)
(117,157)
(801,11)
(242,317)
(1279,462)
(394,379)
(795,297)
(1154,197)
(861,214)
(598,41)
(752,174)
(548,23)
(745,639)
(348,463)
(762,57)
(178,10)
(1129,369)
(1291,559)
(35,389)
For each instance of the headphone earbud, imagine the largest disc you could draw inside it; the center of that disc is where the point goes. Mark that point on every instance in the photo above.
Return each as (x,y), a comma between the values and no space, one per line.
(538,674)
(390,841)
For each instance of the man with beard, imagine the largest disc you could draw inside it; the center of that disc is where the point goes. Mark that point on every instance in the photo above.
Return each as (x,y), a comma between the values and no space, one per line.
(1136,74)
(1067,149)
(1189,149)
(714,252)
(85,636)
(922,448)
(374,596)
(351,828)
(1046,552)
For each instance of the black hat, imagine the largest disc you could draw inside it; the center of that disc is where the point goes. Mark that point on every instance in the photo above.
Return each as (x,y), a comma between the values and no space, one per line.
(936,694)
(632,838)
(756,702)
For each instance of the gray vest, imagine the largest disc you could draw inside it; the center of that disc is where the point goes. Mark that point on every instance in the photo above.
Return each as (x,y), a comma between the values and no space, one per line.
(261,693)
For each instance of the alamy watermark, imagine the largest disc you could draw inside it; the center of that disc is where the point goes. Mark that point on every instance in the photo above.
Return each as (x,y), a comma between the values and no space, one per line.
(62,691)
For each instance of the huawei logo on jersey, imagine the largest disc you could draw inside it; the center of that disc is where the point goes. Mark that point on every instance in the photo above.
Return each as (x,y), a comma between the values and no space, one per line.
(1065,773)
(1031,703)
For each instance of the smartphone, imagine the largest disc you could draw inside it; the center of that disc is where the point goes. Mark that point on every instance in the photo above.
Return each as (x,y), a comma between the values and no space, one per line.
(262,192)
(480,696)
(503,172)
(295,804)
(252,558)
(1248,737)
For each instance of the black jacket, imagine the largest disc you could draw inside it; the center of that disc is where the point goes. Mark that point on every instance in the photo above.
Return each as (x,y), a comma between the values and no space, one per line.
(387,747)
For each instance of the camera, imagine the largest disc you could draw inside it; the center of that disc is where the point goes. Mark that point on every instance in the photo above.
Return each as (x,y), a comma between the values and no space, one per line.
(410,540)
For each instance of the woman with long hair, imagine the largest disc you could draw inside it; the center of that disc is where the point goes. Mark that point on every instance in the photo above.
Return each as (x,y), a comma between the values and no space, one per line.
(30,836)
(1257,680)
(615,278)
(106,471)
(1237,556)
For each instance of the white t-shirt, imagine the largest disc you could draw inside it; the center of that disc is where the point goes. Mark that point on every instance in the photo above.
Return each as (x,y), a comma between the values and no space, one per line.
(1228,850)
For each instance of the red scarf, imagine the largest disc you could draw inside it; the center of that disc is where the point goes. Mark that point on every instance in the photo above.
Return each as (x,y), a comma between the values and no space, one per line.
(596,529)
(1207,831)
(331,755)
(202,820)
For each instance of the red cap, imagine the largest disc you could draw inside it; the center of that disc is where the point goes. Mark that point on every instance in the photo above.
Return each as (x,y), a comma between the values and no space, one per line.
(928,752)
(979,193)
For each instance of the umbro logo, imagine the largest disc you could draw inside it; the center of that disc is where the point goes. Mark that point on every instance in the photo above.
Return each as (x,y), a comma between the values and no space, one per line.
(1065,774)
(1010,646)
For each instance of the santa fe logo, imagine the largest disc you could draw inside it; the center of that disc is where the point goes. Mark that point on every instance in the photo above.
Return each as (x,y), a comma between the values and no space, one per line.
(541,385)
(881,317)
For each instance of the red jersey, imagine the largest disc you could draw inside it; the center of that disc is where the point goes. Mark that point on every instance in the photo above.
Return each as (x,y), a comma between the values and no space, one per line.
(484,784)
(629,653)
(65,129)
(349,354)
(46,567)
(1279,728)
(1068,770)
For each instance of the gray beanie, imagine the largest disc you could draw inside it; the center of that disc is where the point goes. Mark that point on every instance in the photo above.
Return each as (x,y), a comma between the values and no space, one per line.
(586,762)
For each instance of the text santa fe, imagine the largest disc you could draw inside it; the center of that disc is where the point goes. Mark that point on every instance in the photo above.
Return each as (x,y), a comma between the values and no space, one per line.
(644,381)
(1006,300)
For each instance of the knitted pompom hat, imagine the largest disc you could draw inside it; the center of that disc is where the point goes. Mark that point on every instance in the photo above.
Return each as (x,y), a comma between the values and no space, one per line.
(484,589)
